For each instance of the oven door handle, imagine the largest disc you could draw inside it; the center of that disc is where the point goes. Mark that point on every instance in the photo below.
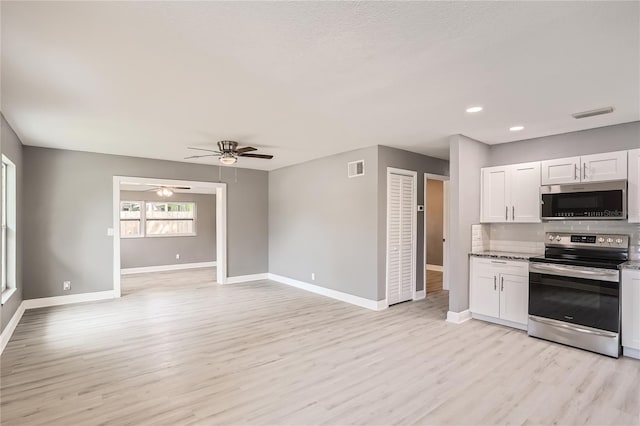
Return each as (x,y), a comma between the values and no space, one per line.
(572,327)
(566,271)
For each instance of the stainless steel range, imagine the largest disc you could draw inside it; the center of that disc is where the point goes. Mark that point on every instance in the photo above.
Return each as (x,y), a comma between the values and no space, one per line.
(574,291)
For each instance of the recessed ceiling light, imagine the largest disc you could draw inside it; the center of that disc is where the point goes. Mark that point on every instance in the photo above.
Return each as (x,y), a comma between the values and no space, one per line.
(474,109)
(516,128)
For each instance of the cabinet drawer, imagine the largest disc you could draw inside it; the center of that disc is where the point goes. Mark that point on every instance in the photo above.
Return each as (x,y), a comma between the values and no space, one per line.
(501,266)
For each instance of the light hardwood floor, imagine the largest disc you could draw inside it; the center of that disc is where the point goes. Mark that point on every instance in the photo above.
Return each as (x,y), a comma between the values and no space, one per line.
(434,281)
(178,349)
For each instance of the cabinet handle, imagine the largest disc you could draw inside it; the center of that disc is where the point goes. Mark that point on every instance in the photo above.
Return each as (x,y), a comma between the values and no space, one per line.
(575,172)
(506,212)
(494,283)
(513,212)
(584,173)
(501,283)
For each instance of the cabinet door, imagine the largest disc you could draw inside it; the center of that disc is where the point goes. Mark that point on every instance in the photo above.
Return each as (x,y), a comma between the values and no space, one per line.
(634,185)
(495,192)
(483,298)
(525,192)
(604,167)
(631,308)
(560,171)
(514,298)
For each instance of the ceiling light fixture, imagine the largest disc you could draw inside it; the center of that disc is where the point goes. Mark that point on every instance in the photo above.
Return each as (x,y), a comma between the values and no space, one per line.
(516,128)
(228,158)
(164,192)
(474,109)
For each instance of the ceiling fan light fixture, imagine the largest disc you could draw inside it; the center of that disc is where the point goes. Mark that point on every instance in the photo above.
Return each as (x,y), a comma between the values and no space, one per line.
(164,192)
(228,158)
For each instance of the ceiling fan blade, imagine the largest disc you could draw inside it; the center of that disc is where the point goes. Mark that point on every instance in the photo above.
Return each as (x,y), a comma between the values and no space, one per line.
(200,156)
(246,149)
(180,187)
(264,156)
(204,149)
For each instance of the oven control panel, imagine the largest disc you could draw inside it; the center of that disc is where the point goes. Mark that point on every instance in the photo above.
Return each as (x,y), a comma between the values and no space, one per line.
(559,239)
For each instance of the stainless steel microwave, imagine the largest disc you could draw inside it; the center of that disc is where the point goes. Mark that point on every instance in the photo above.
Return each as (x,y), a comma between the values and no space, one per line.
(600,200)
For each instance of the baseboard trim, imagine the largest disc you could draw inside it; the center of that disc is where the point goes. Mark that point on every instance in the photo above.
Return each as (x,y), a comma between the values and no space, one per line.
(65,300)
(246,278)
(11,327)
(420,295)
(631,352)
(458,317)
(499,321)
(374,305)
(434,268)
(162,268)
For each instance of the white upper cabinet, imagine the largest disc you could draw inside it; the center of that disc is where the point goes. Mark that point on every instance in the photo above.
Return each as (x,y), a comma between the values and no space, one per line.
(495,194)
(604,167)
(588,168)
(561,171)
(511,193)
(634,186)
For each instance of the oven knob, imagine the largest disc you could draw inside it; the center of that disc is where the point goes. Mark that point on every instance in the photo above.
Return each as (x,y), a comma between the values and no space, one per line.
(550,237)
(558,238)
(601,240)
(609,240)
(618,240)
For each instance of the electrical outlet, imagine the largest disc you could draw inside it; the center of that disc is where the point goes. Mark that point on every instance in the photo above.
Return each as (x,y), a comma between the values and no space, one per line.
(66,285)
(313,276)
(178,256)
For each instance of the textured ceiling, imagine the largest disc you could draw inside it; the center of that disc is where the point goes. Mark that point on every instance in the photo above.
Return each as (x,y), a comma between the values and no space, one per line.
(303,80)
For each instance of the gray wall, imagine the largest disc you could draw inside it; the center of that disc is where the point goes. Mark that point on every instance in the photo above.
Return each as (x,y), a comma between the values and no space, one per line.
(467,156)
(321,221)
(434,208)
(594,141)
(154,251)
(397,158)
(11,146)
(68,208)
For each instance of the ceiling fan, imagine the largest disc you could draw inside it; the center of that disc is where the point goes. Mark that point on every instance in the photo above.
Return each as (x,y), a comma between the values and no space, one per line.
(228,152)
(167,191)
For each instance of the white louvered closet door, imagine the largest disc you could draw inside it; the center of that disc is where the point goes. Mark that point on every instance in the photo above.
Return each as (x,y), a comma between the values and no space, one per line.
(400,246)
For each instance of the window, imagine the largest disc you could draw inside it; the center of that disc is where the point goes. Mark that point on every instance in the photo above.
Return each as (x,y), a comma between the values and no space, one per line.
(166,218)
(131,219)
(157,219)
(8,216)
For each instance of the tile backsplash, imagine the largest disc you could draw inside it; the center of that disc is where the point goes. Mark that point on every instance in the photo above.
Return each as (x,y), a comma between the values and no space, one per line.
(529,238)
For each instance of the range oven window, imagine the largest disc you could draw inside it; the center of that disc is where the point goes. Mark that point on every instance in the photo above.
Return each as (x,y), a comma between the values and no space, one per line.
(584,204)
(592,303)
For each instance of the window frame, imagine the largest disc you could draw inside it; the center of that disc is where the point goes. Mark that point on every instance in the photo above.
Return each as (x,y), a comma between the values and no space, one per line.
(143,219)
(9,223)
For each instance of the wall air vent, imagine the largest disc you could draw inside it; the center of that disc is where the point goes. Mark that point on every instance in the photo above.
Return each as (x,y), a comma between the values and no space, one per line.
(593,112)
(355,168)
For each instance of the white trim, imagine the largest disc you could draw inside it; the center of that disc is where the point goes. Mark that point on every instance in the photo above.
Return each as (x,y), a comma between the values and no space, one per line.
(420,295)
(375,305)
(65,300)
(434,268)
(631,352)
(247,278)
(11,327)
(414,223)
(160,268)
(6,295)
(458,317)
(499,321)
(221,221)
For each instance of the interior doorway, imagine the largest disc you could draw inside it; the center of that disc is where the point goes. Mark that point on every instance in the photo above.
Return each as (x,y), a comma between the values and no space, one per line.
(436,191)
(145,215)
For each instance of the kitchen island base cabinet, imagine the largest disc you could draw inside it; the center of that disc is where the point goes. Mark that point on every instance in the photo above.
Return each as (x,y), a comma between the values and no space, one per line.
(631,313)
(499,291)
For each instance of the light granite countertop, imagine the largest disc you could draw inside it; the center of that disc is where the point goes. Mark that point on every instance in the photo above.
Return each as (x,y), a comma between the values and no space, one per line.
(505,255)
(631,264)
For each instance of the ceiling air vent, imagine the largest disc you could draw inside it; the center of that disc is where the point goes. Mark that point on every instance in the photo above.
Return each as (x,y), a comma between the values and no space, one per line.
(355,168)
(593,112)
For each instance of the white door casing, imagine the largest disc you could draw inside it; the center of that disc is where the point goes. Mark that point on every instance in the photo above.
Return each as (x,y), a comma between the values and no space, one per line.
(634,186)
(401,235)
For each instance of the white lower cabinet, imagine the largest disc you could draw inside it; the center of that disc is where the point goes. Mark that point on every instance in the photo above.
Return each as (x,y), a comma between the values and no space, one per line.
(499,291)
(631,313)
